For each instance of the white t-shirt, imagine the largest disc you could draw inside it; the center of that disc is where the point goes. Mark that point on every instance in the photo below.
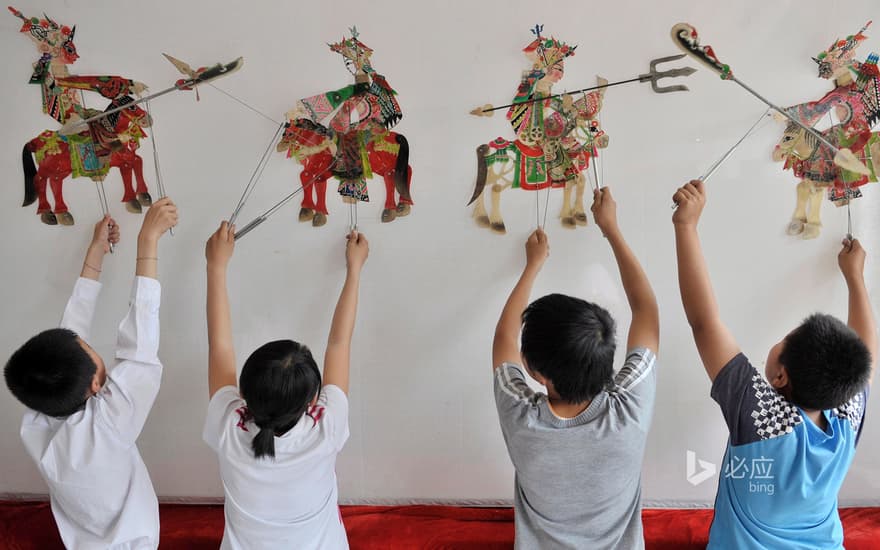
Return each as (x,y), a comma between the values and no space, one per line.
(289,501)
(100,491)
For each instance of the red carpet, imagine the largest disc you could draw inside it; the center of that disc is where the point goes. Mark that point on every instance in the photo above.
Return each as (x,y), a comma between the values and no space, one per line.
(29,526)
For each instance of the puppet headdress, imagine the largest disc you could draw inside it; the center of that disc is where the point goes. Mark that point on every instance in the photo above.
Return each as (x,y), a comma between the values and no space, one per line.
(45,30)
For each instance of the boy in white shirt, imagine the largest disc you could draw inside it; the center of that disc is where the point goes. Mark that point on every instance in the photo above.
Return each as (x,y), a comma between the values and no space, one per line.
(83,421)
(278,435)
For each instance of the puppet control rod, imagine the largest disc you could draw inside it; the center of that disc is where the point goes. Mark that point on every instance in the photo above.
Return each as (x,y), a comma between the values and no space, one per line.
(652,76)
(217,71)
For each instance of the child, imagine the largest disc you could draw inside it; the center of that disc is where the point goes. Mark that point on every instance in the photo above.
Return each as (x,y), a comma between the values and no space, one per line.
(793,435)
(577,450)
(83,420)
(277,436)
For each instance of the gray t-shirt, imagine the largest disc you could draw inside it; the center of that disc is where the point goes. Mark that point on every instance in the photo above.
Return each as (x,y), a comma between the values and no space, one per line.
(578,480)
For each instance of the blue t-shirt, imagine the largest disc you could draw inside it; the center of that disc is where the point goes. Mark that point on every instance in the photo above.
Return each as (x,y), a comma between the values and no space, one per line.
(781,472)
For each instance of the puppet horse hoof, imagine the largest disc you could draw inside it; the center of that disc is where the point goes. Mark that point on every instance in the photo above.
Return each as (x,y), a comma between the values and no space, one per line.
(306,214)
(580,218)
(403,210)
(48,218)
(483,221)
(568,222)
(795,227)
(319,219)
(133,206)
(144,199)
(811,230)
(388,215)
(64,218)
(498,227)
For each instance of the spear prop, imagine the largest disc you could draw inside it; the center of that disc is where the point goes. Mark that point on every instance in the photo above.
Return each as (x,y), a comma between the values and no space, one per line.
(212,73)
(652,76)
(685,36)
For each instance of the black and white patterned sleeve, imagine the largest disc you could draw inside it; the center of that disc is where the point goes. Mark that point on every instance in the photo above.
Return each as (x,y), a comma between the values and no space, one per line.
(854,411)
(752,409)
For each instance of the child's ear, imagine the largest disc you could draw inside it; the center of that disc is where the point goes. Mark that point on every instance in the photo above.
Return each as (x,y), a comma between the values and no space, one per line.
(780,378)
(96,385)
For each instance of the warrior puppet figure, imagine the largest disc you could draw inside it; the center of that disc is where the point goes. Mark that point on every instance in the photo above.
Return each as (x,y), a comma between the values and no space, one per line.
(357,115)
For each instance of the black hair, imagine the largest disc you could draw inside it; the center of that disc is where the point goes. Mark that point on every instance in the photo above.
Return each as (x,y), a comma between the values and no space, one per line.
(826,361)
(51,373)
(278,381)
(570,342)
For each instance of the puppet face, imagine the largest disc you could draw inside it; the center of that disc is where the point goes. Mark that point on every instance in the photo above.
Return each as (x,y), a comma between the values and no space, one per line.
(50,37)
(555,72)
(67,52)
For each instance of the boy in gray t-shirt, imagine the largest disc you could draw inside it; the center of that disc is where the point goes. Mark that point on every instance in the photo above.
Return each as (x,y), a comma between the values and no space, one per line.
(577,449)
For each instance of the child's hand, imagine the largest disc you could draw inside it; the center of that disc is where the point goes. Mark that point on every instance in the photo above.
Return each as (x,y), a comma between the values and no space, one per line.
(220,246)
(690,200)
(158,219)
(604,210)
(106,233)
(851,259)
(537,249)
(357,248)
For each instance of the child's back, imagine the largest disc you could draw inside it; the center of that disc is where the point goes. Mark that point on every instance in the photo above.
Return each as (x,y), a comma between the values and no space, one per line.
(781,471)
(578,449)
(578,480)
(294,494)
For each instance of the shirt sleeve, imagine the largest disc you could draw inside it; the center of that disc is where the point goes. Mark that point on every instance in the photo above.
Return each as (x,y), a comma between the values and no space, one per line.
(331,414)
(854,411)
(132,385)
(752,409)
(80,309)
(638,374)
(511,390)
(224,402)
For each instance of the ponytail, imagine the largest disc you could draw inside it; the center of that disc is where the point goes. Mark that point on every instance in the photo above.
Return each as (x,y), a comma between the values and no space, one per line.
(263,443)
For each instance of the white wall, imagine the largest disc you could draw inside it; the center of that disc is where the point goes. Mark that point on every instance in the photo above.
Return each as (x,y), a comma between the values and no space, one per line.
(423,422)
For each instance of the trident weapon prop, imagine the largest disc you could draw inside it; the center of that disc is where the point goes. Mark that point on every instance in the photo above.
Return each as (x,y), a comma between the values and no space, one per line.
(217,71)
(685,36)
(652,76)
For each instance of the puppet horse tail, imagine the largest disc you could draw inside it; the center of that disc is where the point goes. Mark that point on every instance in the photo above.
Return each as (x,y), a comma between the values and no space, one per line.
(30,172)
(401,168)
(482,171)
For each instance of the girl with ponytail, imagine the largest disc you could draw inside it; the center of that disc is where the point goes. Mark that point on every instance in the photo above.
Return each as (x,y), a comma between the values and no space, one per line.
(278,431)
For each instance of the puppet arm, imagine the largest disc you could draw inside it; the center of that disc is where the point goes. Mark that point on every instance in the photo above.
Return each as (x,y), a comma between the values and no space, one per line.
(110,87)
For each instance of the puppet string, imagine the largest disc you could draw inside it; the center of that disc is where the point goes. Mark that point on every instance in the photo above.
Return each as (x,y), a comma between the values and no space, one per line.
(99,180)
(546,206)
(244,103)
(255,176)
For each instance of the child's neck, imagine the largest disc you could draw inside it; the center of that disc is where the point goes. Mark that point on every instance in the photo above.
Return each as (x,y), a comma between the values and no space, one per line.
(818,418)
(564,409)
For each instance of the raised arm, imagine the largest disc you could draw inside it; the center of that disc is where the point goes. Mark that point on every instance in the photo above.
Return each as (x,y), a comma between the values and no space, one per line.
(851,260)
(505,346)
(644,330)
(715,342)
(337,358)
(221,352)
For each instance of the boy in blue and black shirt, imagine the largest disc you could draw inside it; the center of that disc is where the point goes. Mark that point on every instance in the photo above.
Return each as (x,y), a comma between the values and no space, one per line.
(792,434)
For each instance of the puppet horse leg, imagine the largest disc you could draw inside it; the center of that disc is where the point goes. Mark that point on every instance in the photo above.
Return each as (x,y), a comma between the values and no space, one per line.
(404,206)
(321,206)
(64,217)
(129,197)
(580,215)
(566,213)
(816,197)
(799,218)
(496,222)
(44,209)
(389,212)
(143,194)
(307,206)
